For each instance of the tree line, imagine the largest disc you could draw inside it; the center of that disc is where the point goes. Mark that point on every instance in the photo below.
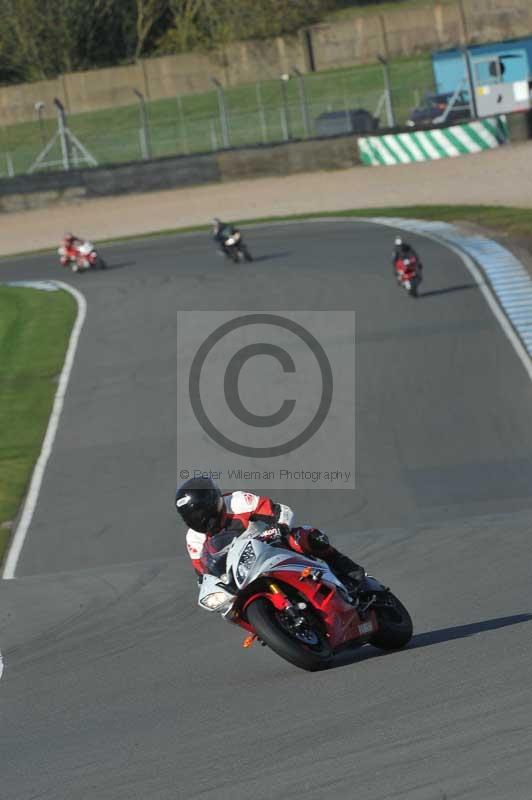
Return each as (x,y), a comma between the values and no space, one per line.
(40,39)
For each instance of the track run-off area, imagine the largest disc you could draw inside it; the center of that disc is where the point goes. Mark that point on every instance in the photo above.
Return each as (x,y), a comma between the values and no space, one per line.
(117,686)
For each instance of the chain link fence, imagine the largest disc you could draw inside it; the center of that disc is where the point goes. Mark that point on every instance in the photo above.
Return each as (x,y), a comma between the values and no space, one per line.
(295,106)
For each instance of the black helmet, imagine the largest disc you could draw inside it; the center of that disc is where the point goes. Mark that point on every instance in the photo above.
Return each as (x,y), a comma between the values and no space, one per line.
(200,504)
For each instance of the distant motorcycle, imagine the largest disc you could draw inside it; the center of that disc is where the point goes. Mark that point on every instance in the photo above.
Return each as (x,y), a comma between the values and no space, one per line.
(81,257)
(235,248)
(294,603)
(408,274)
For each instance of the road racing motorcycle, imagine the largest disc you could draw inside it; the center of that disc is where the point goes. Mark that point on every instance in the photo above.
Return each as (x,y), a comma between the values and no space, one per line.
(408,274)
(235,248)
(294,603)
(81,257)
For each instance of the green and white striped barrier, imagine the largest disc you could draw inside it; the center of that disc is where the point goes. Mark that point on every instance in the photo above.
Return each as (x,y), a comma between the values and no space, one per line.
(430,145)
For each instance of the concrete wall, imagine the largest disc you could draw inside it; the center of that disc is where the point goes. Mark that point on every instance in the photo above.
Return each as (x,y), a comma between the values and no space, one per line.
(353,40)
(402,31)
(46,189)
(156,78)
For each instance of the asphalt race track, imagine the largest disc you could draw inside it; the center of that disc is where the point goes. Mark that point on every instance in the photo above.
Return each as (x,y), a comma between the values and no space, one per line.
(117,687)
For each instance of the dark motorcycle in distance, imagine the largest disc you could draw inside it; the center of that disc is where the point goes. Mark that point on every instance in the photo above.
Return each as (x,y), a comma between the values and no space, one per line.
(233,247)
(408,274)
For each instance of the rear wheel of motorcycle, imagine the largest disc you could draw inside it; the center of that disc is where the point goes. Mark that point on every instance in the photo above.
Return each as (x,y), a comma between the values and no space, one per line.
(247,254)
(395,625)
(265,619)
(100,263)
(413,290)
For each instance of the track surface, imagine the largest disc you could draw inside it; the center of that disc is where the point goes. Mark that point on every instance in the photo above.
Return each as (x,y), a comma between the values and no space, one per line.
(117,687)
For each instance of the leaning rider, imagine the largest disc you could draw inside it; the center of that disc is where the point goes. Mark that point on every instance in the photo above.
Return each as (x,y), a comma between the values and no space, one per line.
(207,511)
(404,250)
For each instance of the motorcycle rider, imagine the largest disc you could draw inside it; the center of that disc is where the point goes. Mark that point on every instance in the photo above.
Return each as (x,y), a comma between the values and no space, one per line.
(206,512)
(404,250)
(221,231)
(69,247)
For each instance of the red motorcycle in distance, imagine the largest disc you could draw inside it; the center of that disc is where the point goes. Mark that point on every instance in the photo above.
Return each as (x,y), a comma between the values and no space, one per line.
(294,603)
(408,274)
(80,255)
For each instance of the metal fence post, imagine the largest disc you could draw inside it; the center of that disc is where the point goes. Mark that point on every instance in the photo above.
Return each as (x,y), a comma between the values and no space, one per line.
(10,168)
(182,124)
(214,138)
(61,122)
(223,112)
(39,108)
(389,107)
(470,83)
(303,100)
(144,132)
(262,116)
(285,118)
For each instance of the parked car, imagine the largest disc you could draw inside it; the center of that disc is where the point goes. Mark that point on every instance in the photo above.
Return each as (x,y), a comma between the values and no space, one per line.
(434,106)
(335,123)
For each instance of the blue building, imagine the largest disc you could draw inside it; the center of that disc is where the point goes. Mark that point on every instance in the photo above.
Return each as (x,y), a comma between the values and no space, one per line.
(516,57)
(500,73)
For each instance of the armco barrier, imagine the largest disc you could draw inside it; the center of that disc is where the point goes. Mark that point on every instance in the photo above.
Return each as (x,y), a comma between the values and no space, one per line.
(41,190)
(434,144)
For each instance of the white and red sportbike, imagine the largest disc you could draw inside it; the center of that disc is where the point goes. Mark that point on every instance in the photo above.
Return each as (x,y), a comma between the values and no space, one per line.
(81,257)
(294,603)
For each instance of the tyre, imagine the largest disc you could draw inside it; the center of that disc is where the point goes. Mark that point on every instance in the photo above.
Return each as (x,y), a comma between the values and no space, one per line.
(305,647)
(395,624)
(247,254)
(100,263)
(413,290)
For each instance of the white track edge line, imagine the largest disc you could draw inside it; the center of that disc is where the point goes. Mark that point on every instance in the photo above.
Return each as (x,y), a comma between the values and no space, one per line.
(30,503)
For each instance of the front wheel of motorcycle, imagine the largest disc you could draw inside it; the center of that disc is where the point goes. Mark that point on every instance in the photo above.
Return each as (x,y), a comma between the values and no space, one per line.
(395,624)
(303,646)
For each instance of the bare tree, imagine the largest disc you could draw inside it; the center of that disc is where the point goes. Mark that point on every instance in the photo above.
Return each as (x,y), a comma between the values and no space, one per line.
(149,12)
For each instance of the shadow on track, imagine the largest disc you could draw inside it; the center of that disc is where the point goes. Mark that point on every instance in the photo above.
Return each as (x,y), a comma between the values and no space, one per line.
(270,256)
(120,265)
(448,290)
(431,637)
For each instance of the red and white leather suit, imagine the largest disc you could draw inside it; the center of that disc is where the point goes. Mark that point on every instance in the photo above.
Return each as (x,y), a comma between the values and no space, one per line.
(241,508)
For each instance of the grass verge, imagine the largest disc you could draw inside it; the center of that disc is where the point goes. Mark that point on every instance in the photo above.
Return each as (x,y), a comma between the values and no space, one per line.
(34,332)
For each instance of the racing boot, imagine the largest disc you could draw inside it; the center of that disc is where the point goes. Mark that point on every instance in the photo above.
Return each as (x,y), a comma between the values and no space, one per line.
(347,570)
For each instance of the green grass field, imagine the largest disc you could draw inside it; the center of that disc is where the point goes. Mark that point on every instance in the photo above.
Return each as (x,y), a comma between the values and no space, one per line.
(34,331)
(192,123)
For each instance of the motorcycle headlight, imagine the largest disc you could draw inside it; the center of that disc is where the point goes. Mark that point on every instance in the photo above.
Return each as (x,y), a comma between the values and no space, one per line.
(247,559)
(215,600)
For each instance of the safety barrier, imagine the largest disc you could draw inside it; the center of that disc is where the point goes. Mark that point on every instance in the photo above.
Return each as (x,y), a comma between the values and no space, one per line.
(434,144)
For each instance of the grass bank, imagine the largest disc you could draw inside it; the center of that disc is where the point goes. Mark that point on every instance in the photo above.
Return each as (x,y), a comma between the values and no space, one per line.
(34,332)
(505,220)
